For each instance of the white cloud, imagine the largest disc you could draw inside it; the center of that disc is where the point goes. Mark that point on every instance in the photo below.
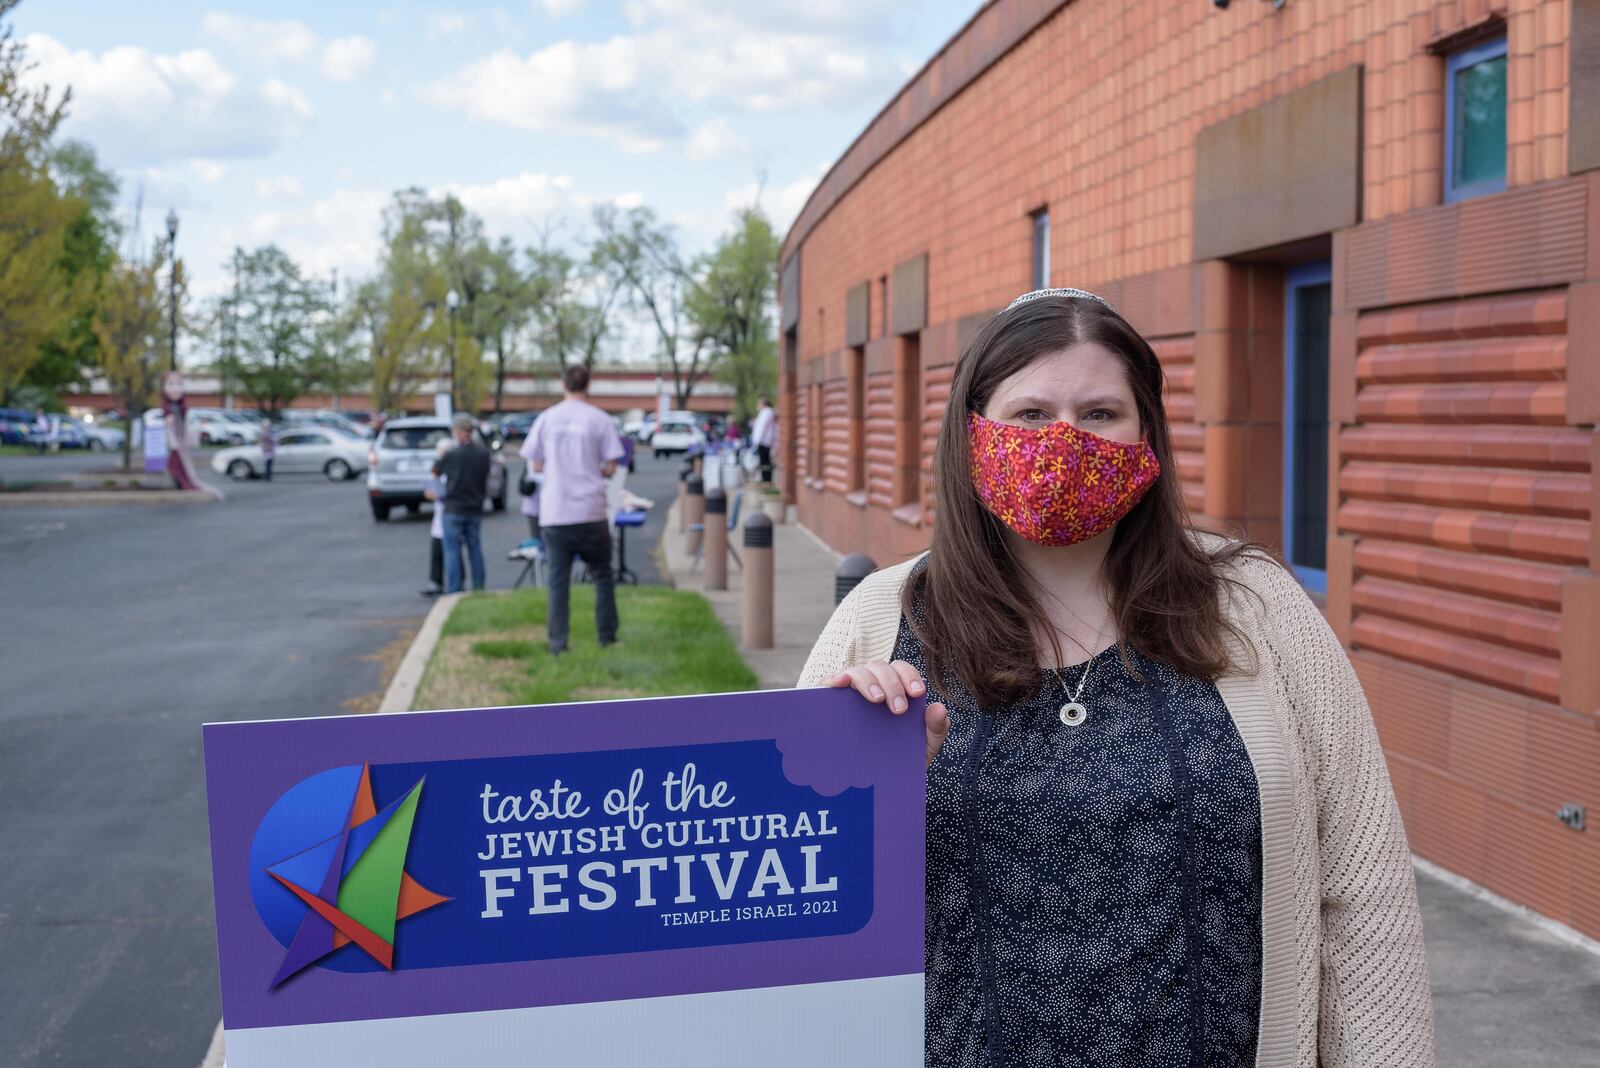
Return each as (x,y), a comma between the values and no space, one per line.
(557,9)
(283,186)
(267,41)
(138,107)
(341,59)
(757,58)
(517,204)
(446,23)
(210,170)
(716,139)
(344,59)
(569,86)
(781,203)
(835,18)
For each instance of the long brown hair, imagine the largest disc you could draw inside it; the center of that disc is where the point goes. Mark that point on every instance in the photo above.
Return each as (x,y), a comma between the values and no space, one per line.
(976,596)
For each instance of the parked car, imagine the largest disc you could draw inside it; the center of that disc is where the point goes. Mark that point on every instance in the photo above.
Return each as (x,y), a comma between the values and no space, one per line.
(516,424)
(677,433)
(14,426)
(328,418)
(299,450)
(103,438)
(401,460)
(60,432)
(210,427)
(234,427)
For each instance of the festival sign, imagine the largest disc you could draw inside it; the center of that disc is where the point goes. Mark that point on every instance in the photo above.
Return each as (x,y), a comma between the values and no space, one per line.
(720,880)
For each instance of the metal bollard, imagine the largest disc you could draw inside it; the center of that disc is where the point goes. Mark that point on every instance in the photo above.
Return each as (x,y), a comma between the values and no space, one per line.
(683,491)
(757,578)
(716,552)
(848,575)
(695,511)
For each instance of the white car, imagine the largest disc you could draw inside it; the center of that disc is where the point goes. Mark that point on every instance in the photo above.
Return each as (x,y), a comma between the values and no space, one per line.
(337,456)
(213,428)
(677,433)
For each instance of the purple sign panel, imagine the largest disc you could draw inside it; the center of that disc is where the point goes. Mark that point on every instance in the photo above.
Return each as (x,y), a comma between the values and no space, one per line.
(426,864)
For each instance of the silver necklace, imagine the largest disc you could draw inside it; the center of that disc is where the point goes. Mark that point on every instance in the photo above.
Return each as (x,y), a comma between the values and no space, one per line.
(1073,712)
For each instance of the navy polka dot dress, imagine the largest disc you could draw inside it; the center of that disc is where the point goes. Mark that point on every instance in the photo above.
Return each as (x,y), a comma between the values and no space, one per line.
(1094,891)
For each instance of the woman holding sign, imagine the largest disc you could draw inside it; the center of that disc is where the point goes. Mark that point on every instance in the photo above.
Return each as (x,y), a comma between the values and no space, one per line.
(1160,827)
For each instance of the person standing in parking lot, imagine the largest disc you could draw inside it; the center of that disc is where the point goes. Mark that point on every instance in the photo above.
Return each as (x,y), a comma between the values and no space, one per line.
(764,435)
(466,472)
(576,449)
(269,448)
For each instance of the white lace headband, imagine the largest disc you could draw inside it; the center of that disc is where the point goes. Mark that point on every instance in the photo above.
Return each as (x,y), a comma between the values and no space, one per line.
(1037,293)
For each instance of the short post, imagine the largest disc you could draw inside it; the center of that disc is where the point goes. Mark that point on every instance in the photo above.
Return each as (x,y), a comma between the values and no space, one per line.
(848,575)
(716,551)
(683,492)
(757,578)
(695,512)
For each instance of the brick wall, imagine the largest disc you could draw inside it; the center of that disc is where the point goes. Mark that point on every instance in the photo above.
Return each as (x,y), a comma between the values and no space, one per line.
(1464,382)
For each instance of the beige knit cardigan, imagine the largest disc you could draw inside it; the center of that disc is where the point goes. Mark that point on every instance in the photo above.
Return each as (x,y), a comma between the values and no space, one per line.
(1344,983)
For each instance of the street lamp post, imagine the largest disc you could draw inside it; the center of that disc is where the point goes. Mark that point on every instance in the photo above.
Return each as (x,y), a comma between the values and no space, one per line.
(172,250)
(452,301)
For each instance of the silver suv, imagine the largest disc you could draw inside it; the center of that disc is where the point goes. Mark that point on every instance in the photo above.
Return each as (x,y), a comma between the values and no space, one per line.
(401,461)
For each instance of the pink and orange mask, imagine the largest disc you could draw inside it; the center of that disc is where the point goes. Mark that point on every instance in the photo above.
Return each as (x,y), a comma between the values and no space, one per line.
(1057,485)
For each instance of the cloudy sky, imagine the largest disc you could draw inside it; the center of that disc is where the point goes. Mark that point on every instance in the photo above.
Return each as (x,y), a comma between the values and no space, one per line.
(292,122)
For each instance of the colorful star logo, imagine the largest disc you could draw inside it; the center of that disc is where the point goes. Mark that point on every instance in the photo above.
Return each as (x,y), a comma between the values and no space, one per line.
(350,885)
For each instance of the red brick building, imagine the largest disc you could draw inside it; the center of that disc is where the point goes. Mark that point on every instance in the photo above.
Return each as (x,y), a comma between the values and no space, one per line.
(1364,239)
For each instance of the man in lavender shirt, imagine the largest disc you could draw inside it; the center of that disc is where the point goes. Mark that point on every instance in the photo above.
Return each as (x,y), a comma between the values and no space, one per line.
(576,448)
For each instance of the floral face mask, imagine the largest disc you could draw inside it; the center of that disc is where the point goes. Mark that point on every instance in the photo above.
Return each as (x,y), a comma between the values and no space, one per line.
(1057,485)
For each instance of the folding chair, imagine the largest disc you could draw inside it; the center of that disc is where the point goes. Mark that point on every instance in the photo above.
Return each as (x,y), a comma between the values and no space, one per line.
(531,552)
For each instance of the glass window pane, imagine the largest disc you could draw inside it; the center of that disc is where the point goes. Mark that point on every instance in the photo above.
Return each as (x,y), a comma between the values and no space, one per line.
(1041,250)
(1480,123)
(1309,451)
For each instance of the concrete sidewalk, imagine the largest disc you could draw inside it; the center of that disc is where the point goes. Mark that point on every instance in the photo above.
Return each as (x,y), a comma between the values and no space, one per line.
(1511,989)
(802,595)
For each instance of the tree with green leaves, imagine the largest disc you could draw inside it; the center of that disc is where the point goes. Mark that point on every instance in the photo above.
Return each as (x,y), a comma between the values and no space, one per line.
(633,247)
(271,320)
(127,328)
(38,299)
(336,364)
(571,303)
(88,253)
(733,304)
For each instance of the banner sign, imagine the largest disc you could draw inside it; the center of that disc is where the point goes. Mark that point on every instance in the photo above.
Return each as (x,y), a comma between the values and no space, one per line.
(729,879)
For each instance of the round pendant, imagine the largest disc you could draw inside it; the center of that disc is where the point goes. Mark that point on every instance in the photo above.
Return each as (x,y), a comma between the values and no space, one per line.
(1072,714)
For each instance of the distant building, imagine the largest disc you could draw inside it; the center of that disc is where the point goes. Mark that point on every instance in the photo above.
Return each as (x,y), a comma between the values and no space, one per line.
(615,389)
(1364,239)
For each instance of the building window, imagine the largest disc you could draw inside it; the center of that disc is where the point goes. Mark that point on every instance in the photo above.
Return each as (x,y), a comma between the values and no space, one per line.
(1475,121)
(1041,248)
(883,305)
(1309,301)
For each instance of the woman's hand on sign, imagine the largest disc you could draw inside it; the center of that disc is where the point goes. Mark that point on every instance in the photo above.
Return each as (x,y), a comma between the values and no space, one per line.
(882,682)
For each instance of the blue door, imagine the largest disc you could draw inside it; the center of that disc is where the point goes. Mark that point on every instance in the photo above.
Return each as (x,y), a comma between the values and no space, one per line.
(1309,305)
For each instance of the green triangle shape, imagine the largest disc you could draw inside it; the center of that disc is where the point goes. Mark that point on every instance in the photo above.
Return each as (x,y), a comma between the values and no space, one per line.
(370,893)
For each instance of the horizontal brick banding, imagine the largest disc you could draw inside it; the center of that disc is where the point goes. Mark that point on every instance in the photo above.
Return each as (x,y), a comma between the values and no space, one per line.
(1536,447)
(1514,581)
(880,440)
(1466,361)
(1533,493)
(1535,537)
(836,435)
(1486,662)
(1507,402)
(935,396)
(802,420)
(1518,313)
(1471,617)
